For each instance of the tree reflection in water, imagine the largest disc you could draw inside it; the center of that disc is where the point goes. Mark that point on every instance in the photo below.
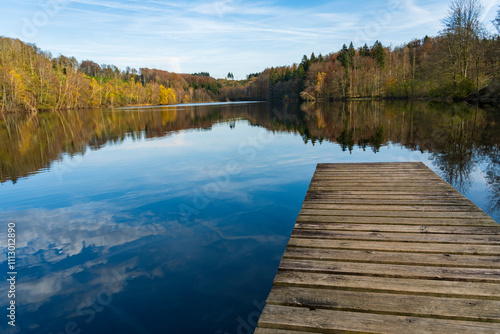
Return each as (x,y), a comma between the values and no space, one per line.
(458,137)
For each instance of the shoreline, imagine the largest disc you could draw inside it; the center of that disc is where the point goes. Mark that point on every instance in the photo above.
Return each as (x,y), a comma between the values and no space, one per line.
(471,101)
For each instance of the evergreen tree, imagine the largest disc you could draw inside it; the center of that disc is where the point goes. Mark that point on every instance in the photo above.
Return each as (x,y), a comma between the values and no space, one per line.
(288,73)
(305,63)
(313,58)
(351,52)
(273,76)
(343,56)
(346,56)
(301,72)
(378,53)
(364,51)
(201,74)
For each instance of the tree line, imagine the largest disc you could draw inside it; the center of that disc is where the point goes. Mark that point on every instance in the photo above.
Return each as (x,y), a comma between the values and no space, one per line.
(33,80)
(462,61)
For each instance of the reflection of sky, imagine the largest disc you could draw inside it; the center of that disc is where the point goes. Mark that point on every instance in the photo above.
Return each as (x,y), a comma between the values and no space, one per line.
(110,222)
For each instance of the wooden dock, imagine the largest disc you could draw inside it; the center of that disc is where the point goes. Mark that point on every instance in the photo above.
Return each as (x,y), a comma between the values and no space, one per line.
(386,248)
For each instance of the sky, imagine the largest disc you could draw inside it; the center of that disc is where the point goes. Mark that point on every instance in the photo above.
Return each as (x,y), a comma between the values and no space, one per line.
(218,36)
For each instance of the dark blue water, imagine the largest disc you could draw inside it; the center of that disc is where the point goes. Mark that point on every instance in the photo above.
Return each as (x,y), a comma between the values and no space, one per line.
(174,220)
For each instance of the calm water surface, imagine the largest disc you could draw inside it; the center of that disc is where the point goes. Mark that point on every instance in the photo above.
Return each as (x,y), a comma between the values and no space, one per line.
(174,220)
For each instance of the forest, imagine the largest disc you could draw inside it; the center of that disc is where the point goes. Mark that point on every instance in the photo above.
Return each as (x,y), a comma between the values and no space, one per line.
(462,62)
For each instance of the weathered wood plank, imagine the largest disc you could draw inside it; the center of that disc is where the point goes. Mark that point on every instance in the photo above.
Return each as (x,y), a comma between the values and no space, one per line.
(415,247)
(398,220)
(329,321)
(352,173)
(381,188)
(378,169)
(358,177)
(373,183)
(393,270)
(381,178)
(373,167)
(440,260)
(394,207)
(261,330)
(382,195)
(377,165)
(402,236)
(384,171)
(387,303)
(368,184)
(374,164)
(435,288)
(373,201)
(470,230)
(388,213)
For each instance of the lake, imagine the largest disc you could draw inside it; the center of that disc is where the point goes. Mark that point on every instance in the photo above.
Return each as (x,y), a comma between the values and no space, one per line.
(174,219)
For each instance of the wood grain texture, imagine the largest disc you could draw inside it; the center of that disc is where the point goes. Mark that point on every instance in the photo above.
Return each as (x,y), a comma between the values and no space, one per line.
(386,248)
(330,321)
(417,259)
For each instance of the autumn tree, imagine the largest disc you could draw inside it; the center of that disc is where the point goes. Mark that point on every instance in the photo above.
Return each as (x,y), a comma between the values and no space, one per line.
(462,32)
(167,95)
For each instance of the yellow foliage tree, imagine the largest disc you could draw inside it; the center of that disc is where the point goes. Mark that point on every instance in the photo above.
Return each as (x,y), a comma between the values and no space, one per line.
(18,90)
(167,96)
(320,82)
(95,97)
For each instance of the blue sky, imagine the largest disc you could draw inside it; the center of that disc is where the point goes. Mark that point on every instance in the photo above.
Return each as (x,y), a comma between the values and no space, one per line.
(216,36)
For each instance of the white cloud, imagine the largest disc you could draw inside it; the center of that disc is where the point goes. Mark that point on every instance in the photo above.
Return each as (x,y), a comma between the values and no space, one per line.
(225,35)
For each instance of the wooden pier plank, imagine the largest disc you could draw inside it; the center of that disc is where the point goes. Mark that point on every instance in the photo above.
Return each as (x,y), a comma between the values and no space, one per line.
(399,228)
(416,247)
(407,286)
(386,248)
(399,221)
(394,207)
(329,321)
(402,236)
(418,259)
(388,303)
(389,213)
